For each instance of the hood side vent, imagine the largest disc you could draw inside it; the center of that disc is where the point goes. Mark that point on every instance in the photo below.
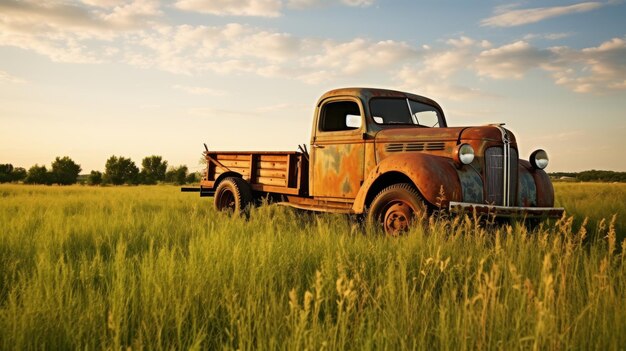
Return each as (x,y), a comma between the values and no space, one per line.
(394,147)
(410,147)
(414,147)
(434,146)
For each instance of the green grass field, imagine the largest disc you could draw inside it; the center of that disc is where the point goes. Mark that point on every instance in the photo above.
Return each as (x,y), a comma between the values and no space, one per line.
(148,267)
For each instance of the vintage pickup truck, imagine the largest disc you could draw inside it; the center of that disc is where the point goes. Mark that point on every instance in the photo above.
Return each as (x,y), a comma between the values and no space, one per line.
(391,156)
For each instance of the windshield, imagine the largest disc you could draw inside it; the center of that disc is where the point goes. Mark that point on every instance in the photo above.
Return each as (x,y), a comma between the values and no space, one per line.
(387,111)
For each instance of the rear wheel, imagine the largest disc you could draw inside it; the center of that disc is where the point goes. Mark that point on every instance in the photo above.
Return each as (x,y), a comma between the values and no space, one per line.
(233,195)
(396,207)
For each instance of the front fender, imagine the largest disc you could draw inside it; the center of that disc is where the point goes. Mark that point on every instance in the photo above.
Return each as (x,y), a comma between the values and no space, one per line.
(543,185)
(428,173)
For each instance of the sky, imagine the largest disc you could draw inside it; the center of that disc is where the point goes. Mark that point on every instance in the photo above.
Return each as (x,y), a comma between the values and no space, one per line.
(93,78)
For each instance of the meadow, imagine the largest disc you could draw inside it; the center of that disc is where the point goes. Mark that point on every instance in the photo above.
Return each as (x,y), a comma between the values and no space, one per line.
(149,267)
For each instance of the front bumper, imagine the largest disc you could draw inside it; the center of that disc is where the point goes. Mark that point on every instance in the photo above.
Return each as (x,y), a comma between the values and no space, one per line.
(506,211)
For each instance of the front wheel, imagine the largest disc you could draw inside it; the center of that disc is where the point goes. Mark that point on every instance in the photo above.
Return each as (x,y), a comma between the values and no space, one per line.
(233,195)
(396,207)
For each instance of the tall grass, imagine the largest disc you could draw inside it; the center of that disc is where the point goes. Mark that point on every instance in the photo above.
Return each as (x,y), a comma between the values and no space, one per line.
(596,202)
(149,267)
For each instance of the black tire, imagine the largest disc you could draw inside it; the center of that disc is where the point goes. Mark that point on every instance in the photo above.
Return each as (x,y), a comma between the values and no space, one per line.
(233,195)
(396,207)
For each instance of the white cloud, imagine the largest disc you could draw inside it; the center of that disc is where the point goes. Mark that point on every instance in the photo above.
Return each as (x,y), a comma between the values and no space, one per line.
(359,55)
(599,70)
(429,82)
(510,61)
(103,3)
(9,78)
(591,70)
(60,30)
(240,49)
(445,63)
(556,36)
(510,17)
(54,17)
(549,36)
(465,42)
(306,4)
(271,46)
(259,8)
(133,14)
(130,32)
(434,75)
(360,3)
(262,8)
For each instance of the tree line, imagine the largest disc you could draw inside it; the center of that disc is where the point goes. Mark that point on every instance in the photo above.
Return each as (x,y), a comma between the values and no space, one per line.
(591,176)
(118,170)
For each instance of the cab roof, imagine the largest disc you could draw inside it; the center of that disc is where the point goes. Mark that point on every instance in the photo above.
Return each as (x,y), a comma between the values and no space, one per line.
(365,94)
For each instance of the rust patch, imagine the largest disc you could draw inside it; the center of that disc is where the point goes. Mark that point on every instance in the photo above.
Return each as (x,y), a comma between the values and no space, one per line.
(338,169)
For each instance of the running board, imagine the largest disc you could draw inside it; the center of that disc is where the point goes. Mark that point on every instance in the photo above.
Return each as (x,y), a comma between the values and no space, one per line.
(326,207)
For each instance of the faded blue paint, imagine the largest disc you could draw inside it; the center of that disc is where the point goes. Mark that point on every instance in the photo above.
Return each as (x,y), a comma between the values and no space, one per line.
(526,189)
(471,185)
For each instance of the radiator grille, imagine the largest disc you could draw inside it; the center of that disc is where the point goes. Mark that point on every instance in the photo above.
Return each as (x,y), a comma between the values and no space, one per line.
(496,174)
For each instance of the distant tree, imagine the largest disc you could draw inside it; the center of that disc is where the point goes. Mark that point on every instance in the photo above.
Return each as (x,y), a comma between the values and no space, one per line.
(592,176)
(94,178)
(18,174)
(601,176)
(193,178)
(176,175)
(6,173)
(153,169)
(120,170)
(65,171)
(38,175)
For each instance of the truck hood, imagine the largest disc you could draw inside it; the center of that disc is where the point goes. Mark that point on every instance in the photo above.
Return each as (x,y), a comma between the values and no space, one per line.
(412,134)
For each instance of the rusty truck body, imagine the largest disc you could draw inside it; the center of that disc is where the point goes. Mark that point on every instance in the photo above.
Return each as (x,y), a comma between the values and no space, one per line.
(389,155)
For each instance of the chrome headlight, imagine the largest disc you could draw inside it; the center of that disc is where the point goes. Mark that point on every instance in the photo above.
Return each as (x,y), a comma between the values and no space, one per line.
(539,159)
(464,154)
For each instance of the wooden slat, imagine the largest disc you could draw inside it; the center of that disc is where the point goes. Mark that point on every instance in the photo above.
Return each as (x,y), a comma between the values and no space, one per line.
(272,165)
(242,171)
(242,157)
(233,163)
(272,181)
(279,158)
(270,173)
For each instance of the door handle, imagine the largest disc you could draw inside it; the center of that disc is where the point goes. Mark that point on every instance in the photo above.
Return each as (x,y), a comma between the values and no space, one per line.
(318,146)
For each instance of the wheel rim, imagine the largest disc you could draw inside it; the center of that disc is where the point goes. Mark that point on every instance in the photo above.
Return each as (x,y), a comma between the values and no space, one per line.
(397,218)
(226,201)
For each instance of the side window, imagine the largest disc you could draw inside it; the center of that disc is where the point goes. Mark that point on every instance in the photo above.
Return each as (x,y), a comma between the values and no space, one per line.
(341,115)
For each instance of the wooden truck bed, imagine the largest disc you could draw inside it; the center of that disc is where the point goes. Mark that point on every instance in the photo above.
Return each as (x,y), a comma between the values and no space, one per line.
(275,172)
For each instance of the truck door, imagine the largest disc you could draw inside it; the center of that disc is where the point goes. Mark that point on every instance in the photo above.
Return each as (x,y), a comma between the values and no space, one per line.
(338,149)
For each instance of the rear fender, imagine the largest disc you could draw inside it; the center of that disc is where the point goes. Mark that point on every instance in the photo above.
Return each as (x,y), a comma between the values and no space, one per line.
(428,173)
(224,176)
